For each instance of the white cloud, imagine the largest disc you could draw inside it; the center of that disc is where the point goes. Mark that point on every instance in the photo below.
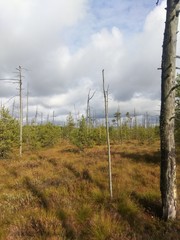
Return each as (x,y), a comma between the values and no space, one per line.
(38,35)
(130,67)
(30,27)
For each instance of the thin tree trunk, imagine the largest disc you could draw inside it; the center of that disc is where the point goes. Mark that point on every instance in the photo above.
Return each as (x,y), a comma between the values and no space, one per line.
(20,110)
(88,113)
(27,111)
(107,136)
(168,159)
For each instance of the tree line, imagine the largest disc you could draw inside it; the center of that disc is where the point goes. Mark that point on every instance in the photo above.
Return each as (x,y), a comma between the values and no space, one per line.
(79,132)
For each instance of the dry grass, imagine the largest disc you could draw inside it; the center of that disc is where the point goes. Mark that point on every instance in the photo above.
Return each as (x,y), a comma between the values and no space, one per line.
(61,193)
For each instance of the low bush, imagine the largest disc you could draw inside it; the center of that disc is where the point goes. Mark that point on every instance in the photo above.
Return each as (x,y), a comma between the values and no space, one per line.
(9,133)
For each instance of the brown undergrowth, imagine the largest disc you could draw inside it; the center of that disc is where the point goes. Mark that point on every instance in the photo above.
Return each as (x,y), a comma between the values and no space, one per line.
(62,193)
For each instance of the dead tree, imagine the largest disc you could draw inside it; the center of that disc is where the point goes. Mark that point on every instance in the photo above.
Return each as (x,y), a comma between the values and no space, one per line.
(19,69)
(107,135)
(168,159)
(88,113)
(27,106)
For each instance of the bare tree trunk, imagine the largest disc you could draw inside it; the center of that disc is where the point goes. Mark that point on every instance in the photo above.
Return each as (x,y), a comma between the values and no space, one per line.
(13,108)
(168,159)
(107,136)
(88,114)
(20,110)
(27,111)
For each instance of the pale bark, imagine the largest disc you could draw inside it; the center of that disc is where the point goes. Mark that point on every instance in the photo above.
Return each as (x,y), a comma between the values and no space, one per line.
(107,136)
(168,158)
(88,114)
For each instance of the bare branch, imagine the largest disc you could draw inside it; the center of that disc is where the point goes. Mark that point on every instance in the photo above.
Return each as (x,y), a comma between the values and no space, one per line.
(157,2)
(172,89)
(90,97)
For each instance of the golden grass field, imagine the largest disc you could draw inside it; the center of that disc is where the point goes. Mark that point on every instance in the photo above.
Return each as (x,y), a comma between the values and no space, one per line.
(62,193)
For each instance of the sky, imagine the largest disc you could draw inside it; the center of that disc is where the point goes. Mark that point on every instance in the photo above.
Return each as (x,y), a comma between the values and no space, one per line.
(63,45)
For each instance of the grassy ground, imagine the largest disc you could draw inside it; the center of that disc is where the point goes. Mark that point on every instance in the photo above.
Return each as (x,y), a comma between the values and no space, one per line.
(61,193)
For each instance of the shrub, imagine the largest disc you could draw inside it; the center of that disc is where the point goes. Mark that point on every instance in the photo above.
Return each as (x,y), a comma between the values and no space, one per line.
(41,135)
(8,133)
(83,136)
(48,134)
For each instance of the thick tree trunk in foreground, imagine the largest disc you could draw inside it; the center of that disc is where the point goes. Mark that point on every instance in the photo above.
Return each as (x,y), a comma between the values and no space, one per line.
(168,159)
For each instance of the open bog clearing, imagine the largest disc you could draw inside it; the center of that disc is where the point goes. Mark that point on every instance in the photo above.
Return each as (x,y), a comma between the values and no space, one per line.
(63,193)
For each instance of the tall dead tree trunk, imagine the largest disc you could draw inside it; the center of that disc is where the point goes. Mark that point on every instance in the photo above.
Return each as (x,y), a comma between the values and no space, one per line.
(88,113)
(168,159)
(107,135)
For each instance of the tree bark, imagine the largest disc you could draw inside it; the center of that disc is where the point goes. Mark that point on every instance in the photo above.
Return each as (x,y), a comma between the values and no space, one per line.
(88,114)
(168,159)
(107,136)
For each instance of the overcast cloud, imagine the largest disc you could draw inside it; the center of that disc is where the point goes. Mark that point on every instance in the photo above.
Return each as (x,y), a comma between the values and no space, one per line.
(65,44)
